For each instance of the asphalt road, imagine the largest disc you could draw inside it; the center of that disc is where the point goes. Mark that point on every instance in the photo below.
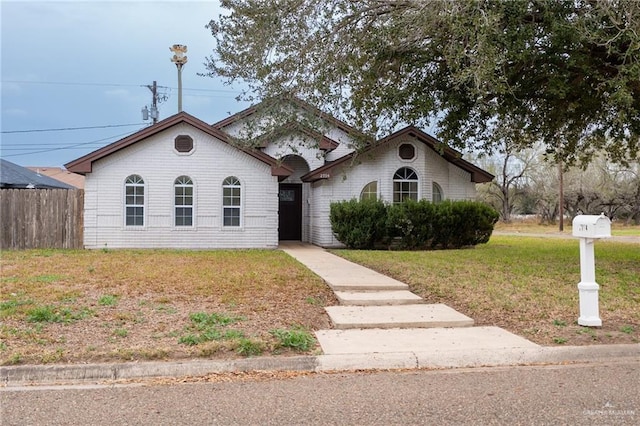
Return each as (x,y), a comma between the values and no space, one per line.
(598,394)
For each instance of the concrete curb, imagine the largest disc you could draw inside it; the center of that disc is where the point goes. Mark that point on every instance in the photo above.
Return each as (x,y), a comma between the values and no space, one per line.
(84,373)
(41,374)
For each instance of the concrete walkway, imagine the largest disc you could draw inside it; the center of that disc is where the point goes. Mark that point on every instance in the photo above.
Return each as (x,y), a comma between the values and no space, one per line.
(378,314)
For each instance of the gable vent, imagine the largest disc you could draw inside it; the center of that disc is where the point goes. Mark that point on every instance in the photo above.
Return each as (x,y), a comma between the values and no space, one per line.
(406,151)
(184,143)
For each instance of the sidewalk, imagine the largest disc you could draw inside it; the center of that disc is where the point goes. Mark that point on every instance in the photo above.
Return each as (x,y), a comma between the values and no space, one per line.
(379,325)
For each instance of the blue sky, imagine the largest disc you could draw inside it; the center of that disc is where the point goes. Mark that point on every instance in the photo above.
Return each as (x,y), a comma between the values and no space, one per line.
(86,64)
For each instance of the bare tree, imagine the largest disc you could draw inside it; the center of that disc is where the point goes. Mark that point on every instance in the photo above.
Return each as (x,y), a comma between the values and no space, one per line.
(511,168)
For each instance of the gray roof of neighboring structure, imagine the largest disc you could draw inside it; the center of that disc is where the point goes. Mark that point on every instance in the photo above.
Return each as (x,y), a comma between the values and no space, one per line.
(18,177)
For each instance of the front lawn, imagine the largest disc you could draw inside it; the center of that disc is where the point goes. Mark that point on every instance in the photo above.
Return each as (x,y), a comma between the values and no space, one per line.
(105,305)
(525,285)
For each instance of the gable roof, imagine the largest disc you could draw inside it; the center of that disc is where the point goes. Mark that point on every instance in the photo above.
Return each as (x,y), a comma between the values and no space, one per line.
(15,176)
(84,164)
(325,143)
(297,102)
(453,156)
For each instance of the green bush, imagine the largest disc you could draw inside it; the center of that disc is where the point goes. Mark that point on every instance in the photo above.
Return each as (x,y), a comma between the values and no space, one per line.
(359,224)
(412,224)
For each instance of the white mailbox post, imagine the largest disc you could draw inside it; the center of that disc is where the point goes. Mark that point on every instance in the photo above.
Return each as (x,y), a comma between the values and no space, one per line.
(589,228)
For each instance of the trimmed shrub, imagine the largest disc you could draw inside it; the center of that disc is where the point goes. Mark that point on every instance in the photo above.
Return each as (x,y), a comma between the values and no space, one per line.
(462,223)
(359,224)
(412,224)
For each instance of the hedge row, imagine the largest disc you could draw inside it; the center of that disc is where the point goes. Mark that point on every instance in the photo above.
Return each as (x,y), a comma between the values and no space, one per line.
(412,224)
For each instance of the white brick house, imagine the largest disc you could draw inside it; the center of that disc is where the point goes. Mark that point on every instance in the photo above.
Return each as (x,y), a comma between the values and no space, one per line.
(183,183)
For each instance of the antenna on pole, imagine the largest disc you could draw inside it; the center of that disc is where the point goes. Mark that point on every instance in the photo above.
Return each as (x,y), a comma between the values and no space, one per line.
(179,59)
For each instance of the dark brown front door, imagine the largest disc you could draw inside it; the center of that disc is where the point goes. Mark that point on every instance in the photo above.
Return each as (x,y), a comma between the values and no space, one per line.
(290,215)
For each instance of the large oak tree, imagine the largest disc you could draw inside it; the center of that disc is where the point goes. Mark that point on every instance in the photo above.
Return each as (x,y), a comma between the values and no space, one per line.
(565,73)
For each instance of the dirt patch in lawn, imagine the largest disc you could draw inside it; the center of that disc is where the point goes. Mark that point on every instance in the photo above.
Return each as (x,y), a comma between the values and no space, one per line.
(123,305)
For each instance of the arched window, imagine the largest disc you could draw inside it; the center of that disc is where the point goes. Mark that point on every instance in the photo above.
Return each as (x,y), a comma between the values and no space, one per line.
(405,185)
(134,201)
(183,201)
(370,191)
(436,193)
(231,201)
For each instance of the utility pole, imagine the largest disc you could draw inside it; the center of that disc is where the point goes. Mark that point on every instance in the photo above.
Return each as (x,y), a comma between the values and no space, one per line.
(154,101)
(561,195)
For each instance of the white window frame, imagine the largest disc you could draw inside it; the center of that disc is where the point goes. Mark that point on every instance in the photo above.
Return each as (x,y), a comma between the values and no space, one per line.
(136,182)
(367,193)
(436,189)
(229,184)
(402,177)
(182,183)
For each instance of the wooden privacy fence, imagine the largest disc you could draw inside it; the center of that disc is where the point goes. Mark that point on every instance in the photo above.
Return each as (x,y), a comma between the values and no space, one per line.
(41,218)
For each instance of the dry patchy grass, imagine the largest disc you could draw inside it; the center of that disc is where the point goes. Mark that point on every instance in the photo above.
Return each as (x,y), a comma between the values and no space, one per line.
(533,226)
(80,306)
(526,285)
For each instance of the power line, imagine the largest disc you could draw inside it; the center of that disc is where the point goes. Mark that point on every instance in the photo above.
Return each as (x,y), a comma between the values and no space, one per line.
(72,128)
(65,83)
(56,149)
(78,145)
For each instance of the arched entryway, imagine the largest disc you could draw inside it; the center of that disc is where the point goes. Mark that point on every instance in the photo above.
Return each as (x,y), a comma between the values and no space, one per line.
(290,205)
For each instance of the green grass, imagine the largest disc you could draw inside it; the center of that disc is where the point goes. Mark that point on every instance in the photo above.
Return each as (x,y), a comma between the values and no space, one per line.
(532,226)
(626,231)
(50,278)
(121,332)
(108,300)
(250,347)
(53,314)
(204,320)
(297,339)
(519,283)
(210,327)
(13,305)
(627,329)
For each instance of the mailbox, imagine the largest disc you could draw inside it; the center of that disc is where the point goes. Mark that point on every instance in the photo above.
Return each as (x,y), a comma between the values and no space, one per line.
(591,226)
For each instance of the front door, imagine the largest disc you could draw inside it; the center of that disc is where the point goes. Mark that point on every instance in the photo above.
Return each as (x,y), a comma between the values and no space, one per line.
(290,216)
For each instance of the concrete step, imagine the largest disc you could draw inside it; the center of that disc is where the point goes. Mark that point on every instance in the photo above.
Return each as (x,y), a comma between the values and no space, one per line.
(356,279)
(425,341)
(402,316)
(368,298)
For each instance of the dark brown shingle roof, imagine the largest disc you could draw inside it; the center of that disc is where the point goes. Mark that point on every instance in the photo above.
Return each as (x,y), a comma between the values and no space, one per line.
(84,164)
(478,175)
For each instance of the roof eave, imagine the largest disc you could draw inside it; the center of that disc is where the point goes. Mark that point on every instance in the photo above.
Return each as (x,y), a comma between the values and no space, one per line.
(84,164)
